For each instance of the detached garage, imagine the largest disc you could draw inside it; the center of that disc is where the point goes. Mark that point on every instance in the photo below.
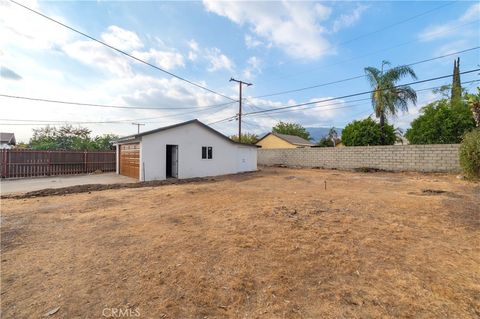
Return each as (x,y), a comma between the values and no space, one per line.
(184,150)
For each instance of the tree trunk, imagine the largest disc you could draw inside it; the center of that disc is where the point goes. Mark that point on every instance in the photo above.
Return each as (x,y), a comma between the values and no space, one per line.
(382,128)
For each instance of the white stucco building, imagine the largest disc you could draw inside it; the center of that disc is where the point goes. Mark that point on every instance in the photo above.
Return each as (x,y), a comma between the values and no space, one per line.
(184,150)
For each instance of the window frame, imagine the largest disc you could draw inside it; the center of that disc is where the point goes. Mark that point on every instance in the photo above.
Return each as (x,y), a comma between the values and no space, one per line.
(207,152)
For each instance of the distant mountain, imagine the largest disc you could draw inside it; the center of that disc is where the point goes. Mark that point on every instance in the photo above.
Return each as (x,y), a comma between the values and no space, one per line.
(318,132)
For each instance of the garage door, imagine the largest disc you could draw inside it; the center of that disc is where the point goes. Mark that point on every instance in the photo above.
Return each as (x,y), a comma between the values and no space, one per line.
(130,160)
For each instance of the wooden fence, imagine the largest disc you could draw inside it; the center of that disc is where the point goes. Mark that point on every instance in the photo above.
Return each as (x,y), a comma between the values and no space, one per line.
(28,163)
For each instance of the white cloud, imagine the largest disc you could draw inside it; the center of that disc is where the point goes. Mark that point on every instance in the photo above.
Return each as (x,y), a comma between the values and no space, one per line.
(24,29)
(165,59)
(98,56)
(472,13)
(292,26)
(122,39)
(252,42)
(348,20)
(453,27)
(194,48)
(218,60)
(253,67)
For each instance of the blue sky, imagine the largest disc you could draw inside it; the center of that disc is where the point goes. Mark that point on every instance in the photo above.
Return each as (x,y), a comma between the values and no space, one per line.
(277,46)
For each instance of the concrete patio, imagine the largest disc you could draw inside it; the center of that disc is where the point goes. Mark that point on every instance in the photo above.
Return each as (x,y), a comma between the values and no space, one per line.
(37,183)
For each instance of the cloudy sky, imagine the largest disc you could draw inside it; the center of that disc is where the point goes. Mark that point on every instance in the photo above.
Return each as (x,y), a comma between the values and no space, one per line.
(278,46)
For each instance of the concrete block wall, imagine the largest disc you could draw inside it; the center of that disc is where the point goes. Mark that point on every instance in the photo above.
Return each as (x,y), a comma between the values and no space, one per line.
(420,158)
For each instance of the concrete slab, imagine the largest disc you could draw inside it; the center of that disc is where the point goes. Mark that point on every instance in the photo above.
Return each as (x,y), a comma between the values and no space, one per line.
(33,184)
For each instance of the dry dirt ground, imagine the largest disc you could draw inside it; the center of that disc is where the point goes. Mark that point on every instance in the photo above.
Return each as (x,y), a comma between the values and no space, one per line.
(271,244)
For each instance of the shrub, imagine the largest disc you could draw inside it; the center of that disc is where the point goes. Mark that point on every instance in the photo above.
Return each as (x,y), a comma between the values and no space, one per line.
(441,123)
(470,154)
(367,132)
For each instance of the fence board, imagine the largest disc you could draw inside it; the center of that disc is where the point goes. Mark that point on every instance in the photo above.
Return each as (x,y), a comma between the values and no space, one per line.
(16,163)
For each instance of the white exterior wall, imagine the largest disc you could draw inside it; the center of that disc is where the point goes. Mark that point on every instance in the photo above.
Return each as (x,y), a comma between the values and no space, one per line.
(228,158)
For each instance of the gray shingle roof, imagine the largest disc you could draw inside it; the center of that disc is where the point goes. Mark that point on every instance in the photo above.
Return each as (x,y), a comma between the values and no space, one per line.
(8,138)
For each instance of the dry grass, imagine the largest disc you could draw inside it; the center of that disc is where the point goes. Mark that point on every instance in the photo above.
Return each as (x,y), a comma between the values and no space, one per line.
(274,244)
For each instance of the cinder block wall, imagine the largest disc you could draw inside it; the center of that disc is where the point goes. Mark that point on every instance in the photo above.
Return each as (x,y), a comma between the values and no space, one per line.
(421,158)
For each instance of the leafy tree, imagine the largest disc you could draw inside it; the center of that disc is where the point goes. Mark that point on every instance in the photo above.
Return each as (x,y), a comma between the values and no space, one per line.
(330,140)
(456,95)
(247,138)
(388,98)
(473,101)
(325,142)
(291,129)
(368,132)
(44,138)
(21,146)
(441,122)
(105,142)
(69,138)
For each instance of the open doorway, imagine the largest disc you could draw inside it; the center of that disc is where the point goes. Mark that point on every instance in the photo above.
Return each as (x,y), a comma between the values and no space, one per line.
(172,161)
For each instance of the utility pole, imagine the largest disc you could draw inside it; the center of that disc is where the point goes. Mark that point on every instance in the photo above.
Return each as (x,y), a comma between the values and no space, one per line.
(240,83)
(138,126)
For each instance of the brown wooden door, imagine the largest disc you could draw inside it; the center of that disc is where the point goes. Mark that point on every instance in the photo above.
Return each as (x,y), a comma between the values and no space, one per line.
(130,160)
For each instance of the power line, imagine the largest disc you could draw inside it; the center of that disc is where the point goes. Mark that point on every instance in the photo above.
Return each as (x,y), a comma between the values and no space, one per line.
(374,52)
(110,106)
(360,76)
(264,111)
(99,122)
(357,100)
(387,27)
(356,94)
(121,51)
(395,24)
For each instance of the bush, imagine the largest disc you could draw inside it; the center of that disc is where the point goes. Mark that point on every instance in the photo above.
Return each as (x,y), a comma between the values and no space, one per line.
(325,142)
(470,154)
(441,123)
(367,132)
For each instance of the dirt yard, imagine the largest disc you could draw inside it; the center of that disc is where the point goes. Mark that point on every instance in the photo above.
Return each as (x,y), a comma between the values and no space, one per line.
(272,244)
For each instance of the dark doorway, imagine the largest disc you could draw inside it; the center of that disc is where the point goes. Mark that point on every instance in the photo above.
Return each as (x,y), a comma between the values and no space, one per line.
(172,161)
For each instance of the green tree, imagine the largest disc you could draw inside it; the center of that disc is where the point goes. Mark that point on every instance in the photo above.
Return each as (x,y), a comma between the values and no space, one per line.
(473,101)
(456,95)
(291,129)
(388,98)
(69,138)
(330,140)
(368,132)
(441,122)
(325,142)
(105,142)
(247,138)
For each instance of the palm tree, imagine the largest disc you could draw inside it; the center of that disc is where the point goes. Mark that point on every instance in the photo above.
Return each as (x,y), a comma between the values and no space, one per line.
(387,97)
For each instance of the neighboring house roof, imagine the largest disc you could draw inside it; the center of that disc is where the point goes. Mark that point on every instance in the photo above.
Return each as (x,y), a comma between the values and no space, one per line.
(7,138)
(136,136)
(292,139)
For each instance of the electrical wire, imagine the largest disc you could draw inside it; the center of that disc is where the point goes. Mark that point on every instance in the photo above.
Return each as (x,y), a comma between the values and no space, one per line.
(264,111)
(357,94)
(373,52)
(121,51)
(360,76)
(110,106)
(357,100)
(386,27)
